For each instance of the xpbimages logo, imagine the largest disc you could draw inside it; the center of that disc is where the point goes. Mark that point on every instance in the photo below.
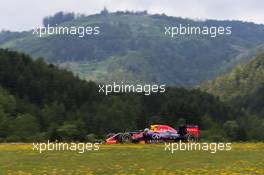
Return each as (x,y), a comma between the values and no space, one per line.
(212,31)
(147,89)
(60,146)
(192,146)
(80,31)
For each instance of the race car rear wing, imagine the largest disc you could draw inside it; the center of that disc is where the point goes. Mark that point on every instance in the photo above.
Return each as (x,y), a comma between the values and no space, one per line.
(189,129)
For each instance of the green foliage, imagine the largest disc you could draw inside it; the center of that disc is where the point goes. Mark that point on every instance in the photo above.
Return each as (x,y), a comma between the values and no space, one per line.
(39,102)
(58,18)
(90,137)
(7,110)
(132,47)
(254,127)
(69,131)
(241,81)
(24,126)
(243,86)
(231,128)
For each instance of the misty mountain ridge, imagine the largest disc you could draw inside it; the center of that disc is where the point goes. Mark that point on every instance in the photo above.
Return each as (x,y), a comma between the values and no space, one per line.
(132,48)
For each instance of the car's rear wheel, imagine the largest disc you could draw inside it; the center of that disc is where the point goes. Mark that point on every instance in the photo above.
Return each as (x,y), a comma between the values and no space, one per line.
(191,138)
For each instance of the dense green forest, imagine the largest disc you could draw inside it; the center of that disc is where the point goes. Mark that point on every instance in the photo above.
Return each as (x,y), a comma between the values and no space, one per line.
(38,101)
(132,47)
(243,86)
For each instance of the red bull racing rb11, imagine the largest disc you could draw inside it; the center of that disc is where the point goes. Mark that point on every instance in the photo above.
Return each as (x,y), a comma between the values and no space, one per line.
(156,134)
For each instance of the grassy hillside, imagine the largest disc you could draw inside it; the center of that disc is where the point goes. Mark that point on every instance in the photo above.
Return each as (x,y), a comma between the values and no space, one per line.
(133,48)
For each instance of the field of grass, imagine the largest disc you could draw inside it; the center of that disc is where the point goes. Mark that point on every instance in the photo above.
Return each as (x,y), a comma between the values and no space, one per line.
(244,158)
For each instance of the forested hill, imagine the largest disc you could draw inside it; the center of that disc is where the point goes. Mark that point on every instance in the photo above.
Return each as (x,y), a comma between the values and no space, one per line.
(243,85)
(132,47)
(243,80)
(39,102)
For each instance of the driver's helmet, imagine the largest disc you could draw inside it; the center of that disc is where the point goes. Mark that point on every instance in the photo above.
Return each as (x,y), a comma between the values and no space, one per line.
(146,130)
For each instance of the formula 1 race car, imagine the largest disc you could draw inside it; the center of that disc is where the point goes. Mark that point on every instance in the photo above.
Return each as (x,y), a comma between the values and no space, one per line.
(156,134)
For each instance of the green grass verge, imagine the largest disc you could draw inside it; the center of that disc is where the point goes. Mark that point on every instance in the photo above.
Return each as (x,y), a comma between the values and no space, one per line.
(244,158)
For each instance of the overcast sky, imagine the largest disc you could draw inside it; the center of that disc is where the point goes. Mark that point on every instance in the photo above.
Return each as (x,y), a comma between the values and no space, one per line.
(26,14)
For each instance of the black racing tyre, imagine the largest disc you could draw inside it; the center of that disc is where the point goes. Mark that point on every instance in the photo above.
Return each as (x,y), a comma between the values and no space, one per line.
(190,138)
(126,138)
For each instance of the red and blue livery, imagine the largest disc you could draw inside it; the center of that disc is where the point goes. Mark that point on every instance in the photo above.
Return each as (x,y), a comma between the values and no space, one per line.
(156,134)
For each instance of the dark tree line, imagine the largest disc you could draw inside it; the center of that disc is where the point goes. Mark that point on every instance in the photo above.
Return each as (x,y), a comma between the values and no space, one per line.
(38,101)
(58,18)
